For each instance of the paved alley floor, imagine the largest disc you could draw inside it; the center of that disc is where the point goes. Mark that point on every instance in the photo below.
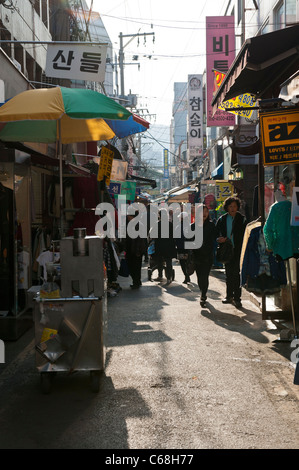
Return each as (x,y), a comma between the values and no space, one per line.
(177,376)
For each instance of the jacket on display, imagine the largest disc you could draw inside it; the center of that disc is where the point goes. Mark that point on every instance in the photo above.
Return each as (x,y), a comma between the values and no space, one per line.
(280,236)
(261,272)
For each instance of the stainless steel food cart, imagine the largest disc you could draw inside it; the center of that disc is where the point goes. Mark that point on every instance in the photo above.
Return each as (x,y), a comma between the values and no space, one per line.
(70,330)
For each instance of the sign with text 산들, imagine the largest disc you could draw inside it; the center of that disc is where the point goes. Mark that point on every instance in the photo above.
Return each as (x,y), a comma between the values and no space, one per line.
(280,137)
(105,165)
(77,62)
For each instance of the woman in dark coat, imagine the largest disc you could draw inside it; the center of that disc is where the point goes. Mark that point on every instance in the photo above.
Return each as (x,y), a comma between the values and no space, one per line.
(203,256)
(181,250)
(232,225)
(165,247)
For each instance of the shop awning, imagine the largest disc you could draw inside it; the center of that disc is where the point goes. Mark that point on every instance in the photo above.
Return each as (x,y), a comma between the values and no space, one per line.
(181,196)
(218,171)
(263,63)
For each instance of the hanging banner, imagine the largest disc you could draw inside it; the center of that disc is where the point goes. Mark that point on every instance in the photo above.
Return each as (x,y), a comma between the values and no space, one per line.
(195,116)
(246,100)
(280,137)
(105,165)
(76,62)
(220,48)
(166,163)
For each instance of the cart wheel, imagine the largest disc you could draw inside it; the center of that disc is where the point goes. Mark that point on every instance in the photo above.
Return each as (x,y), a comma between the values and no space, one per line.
(95,380)
(45,382)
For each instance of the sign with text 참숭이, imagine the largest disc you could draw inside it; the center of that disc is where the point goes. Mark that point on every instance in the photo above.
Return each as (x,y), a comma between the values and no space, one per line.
(195,115)
(280,137)
(77,62)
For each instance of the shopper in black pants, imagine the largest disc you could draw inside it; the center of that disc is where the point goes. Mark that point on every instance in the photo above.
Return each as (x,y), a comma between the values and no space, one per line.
(135,249)
(203,256)
(232,225)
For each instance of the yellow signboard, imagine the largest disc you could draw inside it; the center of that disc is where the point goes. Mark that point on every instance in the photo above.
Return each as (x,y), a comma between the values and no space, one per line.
(105,165)
(280,137)
(246,100)
(242,101)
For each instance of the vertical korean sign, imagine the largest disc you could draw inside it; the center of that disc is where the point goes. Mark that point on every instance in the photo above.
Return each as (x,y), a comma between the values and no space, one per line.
(195,115)
(166,163)
(220,45)
(76,62)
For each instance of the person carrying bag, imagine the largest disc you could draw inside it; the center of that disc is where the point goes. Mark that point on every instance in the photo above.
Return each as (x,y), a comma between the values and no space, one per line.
(231,226)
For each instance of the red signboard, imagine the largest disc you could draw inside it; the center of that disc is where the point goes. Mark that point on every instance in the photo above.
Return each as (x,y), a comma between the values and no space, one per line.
(220,45)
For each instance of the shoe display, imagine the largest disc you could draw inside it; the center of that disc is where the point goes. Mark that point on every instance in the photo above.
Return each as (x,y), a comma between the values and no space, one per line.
(227,301)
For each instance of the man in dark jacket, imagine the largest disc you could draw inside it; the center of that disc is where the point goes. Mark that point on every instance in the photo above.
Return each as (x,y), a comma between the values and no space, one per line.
(232,225)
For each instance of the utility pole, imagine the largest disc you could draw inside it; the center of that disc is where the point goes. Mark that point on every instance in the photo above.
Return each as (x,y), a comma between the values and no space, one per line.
(122,55)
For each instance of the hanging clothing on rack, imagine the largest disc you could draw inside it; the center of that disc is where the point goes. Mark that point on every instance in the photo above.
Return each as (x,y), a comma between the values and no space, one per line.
(280,236)
(261,272)
(248,228)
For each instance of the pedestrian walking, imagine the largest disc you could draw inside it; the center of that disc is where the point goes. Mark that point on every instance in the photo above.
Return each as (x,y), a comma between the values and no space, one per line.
(135,249)
(232,226)
(165,247)
(203,256)
(182,252)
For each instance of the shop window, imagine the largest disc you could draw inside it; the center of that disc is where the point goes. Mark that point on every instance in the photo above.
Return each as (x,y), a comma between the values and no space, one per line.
(5,36)
(285,14)
(279,15)
(18,56)
(290,12)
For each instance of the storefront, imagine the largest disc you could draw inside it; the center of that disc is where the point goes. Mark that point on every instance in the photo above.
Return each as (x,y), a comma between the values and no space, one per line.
(262,65)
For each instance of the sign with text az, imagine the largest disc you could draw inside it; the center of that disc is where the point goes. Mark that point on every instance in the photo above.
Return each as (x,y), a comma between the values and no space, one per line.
(280,137)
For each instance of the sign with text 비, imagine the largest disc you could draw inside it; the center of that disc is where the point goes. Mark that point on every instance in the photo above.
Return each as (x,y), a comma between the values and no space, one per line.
(280,137)
(76,62)
(220,48)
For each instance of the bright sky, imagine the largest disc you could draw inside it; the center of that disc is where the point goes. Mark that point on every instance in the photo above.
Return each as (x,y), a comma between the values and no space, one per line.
(178,50)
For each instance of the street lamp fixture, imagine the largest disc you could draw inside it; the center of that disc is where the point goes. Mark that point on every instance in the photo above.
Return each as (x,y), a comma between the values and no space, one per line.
(238,174)
(231,175)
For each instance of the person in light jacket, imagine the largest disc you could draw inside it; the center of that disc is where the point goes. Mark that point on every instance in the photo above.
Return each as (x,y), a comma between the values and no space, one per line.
(232,225)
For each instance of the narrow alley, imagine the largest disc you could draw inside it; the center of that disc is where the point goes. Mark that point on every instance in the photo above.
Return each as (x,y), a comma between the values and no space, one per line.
(177,376)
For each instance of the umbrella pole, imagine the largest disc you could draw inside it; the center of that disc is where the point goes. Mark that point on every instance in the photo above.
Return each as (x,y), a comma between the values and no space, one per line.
(60,179)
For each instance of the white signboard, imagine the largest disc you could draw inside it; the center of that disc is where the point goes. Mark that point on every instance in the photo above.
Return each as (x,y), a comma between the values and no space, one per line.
(195,116)
(77,62)
(295,207)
